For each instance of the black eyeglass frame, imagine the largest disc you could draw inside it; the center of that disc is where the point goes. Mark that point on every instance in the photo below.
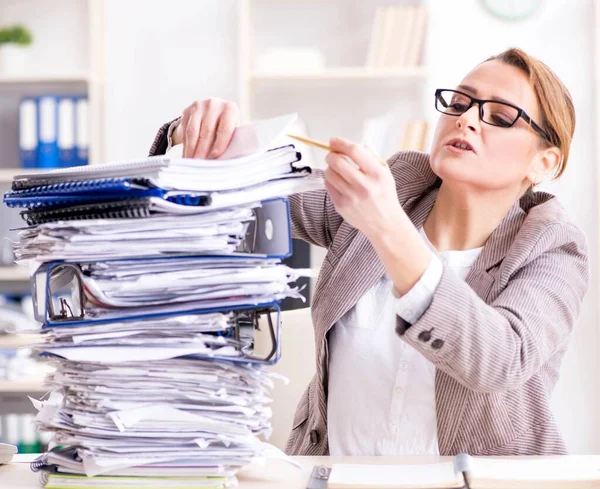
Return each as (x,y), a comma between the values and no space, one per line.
(480,102)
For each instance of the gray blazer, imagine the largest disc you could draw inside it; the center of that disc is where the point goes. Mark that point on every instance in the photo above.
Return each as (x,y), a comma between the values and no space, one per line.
(496,339)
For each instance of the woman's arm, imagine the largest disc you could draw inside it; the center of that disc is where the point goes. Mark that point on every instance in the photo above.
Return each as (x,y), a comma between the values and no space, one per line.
(486,347)
(498,347)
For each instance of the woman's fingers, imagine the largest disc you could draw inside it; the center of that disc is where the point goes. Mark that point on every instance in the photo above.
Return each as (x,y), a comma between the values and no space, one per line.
(228,121)
(347,169)
(337,181)
(191,131)
(368,163)
(206,128)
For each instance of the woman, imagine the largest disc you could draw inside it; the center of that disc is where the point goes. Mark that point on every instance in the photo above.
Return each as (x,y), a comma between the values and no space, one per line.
(446,301)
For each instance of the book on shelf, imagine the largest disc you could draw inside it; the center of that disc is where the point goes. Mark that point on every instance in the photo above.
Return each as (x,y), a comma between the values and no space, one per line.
(397,37)
(414,136)
(568,472)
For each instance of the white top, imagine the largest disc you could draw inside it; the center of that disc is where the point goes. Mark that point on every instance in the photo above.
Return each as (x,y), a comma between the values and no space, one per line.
(381,397)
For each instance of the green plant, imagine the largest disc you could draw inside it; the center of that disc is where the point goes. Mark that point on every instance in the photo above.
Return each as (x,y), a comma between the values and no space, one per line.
(16,34)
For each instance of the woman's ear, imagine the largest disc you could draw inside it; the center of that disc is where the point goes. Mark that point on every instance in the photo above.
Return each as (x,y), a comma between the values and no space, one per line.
(545,163)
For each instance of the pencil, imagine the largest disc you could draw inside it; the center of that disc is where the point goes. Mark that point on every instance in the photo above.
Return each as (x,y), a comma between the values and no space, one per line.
(318,144)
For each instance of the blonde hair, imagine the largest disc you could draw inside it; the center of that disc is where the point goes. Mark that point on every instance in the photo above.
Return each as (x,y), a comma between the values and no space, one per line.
(556,105)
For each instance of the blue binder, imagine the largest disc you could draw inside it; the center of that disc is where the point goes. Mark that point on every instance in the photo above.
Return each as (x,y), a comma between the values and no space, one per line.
(82,136)
(28,133)
(249,316)
(66,132)
(48,156)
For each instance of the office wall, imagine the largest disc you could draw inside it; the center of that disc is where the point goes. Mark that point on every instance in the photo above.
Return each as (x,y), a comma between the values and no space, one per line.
(162,56)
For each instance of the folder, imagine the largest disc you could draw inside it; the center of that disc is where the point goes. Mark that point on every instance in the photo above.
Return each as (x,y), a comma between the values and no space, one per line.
(82,131)
(66,132)
(28,135)
(48,156)
(233,343)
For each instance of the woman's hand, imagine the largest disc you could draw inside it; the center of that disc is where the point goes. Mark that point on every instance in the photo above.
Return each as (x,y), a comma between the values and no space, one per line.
(364,194)
(206,128)
(362,189)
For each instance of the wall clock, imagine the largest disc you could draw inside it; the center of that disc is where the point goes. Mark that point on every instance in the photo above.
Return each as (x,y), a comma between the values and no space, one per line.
(512,10)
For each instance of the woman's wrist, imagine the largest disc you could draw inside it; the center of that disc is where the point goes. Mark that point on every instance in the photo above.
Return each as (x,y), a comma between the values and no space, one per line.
(402,251)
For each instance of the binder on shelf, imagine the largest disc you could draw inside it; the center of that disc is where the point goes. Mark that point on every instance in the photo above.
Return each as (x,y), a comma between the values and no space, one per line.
(66,132)
(28,135)
(48,156)
(82,137)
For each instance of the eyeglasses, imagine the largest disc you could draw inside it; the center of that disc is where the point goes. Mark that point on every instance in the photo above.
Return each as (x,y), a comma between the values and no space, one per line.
(501,114)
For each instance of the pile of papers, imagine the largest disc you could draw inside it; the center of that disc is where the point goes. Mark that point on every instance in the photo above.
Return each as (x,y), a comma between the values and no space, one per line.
(160,310)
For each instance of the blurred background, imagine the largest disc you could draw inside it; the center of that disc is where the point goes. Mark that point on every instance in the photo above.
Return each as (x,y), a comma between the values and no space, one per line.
(92,80)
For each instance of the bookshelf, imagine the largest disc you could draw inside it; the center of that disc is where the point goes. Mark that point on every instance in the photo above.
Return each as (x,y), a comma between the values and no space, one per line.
(73,63)
(367,67)
(43,79)
(399,75)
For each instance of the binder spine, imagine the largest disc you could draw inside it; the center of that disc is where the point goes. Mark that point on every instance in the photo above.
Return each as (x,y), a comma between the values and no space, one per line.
(81,131)
(47,131)
(66,132)
(28,136)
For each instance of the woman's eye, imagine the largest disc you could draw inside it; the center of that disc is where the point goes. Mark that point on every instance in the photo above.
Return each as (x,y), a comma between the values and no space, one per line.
(459,107)
(500,120)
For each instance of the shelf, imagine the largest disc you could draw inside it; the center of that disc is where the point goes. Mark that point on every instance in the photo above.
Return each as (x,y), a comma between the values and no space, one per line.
(12,79)
(14,273)
(346,74)
(18,340)
(22,386)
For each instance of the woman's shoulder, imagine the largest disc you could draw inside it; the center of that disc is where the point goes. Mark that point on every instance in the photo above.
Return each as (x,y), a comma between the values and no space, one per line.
(415,160)
(547,225)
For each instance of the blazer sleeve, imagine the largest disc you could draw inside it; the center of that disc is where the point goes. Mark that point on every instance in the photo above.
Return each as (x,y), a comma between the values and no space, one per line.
(499,346)
(314,218)
(160,143)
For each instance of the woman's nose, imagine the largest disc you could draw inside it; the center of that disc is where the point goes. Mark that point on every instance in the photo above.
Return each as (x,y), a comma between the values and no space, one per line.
(470,119)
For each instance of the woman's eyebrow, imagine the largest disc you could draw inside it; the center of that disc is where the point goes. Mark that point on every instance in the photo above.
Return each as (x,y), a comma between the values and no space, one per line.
(468,88)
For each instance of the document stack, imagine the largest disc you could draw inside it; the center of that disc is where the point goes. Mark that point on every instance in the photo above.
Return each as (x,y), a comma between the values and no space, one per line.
(158,288)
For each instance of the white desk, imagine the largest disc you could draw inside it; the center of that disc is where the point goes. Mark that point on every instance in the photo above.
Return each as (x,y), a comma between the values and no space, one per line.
(277,474)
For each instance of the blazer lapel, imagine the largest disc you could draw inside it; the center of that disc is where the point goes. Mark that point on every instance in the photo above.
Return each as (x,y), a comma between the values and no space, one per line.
(451,396)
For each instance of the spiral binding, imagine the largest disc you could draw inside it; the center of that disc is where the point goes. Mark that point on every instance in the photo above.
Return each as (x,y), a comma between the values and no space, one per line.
(78,185)
(69,200)
(70,193)
(122,209)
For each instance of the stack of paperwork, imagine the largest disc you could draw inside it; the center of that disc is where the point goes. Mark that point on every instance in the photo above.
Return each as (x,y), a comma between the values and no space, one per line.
(158,284)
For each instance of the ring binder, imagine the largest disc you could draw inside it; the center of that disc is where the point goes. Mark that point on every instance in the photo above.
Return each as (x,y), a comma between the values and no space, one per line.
(244,318)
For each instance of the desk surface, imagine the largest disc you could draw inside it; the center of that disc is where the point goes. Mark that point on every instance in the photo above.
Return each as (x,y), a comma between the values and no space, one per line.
(277,474)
